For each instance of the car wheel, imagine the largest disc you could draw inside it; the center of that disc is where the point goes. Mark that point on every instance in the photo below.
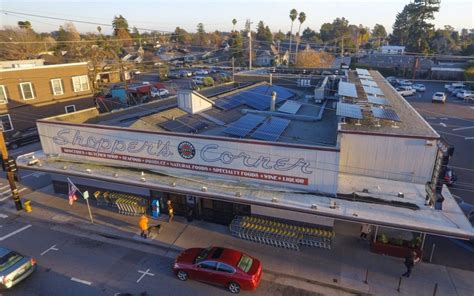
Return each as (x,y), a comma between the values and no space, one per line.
(234,288)
(182,275)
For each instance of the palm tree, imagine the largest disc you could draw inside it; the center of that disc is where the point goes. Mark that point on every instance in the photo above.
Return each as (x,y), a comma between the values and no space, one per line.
(234,21)
(293,15)
(301,19)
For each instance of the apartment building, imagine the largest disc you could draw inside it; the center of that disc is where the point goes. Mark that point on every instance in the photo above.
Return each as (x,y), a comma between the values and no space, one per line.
(33,91)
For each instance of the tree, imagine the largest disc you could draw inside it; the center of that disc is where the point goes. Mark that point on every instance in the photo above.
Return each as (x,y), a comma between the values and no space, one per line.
(201,38)
(263,33)
(327,32)
(301,19)
(411,27)
(135,33)
(24,25)
(293,16)
(310,35)
(313,59)
(236,47)
(234,22)
(181,36)
(121,31)
(379,32)
(119,23)
(279,36)
(19,44)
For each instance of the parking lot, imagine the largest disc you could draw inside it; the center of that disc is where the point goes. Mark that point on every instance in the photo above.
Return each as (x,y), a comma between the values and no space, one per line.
(453,120)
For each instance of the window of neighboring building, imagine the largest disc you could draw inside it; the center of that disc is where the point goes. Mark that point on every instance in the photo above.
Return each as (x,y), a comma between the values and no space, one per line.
(57,86)
(80,83)
(27,91)
(70,108)
(3,95)
(6,122)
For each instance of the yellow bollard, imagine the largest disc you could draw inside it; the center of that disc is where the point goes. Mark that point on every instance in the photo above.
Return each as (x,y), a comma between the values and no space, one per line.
(27,206)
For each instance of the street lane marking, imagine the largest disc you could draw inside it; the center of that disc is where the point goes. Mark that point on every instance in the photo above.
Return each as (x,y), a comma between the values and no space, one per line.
(144,273)
(81,281)
(15,232)
(1,188)
(443,124)
(10,195)
(3,216)
(443,118)
(469,138)
(463,128)
(52,248)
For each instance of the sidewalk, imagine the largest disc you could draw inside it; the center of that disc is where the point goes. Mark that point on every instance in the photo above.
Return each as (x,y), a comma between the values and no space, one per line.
(339,271)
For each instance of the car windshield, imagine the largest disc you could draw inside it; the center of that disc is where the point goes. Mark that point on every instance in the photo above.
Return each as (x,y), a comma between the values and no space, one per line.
(245,263)
(9,260)
(203,255)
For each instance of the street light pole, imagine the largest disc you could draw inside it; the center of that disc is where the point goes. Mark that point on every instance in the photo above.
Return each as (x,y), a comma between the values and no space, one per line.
(11,169)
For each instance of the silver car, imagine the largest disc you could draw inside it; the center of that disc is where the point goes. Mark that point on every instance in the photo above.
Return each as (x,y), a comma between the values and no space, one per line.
(14,267)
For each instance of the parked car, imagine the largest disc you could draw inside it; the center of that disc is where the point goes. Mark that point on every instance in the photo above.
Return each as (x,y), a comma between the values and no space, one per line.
(419,87)
(201,72)
(159,92)
(455,92)
(449,177)
(464,94)
(14,267)
(406,91)
(467,208)
(185,73)
(23,137)
(405,83)
(174,74)
(199,80)
(439,97)
(221,266)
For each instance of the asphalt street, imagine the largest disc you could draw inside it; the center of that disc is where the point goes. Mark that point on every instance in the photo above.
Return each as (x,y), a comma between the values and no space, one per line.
(453,120)
(78,265)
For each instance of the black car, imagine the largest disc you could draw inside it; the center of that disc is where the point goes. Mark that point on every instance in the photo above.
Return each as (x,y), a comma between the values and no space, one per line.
(23,137)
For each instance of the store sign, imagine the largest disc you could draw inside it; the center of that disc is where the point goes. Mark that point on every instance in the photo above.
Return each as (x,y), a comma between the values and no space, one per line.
(294,166)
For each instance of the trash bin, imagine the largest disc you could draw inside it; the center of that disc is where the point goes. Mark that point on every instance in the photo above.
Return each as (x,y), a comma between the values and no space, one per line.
(27,206)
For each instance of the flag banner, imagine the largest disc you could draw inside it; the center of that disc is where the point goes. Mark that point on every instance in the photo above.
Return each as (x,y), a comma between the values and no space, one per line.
(72,192)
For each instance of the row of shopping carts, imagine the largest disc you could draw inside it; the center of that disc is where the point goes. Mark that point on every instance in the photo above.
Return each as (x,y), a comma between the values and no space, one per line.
(126,204)
(280,233)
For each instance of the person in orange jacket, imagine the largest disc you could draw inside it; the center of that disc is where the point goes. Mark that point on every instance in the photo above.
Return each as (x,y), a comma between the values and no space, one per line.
(143,224)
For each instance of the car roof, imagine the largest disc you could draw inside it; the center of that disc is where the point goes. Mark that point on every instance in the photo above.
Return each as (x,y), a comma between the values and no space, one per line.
(225,255)
(4,251)
(439,93)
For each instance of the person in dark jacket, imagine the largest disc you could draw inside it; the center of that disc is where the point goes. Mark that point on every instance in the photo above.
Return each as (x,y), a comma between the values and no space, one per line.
(410,261)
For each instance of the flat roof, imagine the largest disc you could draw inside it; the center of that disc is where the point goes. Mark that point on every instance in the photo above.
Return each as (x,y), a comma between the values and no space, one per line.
(379,206)
(311,124)
(412,123)
(43,67)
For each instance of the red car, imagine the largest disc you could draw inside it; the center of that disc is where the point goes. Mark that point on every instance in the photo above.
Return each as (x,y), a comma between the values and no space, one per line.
(221,266)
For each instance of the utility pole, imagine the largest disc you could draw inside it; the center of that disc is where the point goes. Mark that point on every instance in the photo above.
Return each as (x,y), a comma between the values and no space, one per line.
(342,46)
(10,166)
(233,68)
(249,34)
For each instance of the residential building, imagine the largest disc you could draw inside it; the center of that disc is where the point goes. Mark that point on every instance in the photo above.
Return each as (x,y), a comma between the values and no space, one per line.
(264,59)
(392,49)
(31,92)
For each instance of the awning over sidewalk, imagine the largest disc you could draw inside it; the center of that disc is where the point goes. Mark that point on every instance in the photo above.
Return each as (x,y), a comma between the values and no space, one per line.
(448,222)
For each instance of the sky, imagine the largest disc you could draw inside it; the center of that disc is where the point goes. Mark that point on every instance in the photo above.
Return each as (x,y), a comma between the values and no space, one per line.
(218,14)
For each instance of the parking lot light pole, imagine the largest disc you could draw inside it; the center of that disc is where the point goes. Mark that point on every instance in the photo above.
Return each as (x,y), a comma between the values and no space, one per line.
(11,169)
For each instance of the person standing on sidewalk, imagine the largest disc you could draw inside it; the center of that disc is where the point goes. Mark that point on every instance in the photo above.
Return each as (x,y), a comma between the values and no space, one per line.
(410,261)
(143,224)
(364,231)
(170,211)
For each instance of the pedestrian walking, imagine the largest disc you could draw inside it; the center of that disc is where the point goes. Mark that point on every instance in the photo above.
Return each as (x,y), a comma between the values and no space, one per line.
(364,231)
(410,261)
(170,211)
(143,224)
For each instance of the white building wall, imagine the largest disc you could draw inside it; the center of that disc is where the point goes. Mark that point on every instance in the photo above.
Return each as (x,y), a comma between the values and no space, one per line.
(395,158)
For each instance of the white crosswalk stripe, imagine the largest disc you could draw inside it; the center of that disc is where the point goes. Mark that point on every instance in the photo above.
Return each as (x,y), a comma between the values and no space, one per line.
(10,194)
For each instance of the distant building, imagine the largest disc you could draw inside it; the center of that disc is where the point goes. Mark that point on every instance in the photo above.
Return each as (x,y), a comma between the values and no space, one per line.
(264,59)
(392,49)
(30,91)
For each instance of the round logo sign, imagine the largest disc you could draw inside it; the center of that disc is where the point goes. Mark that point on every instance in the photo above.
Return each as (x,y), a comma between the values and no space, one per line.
(186,150)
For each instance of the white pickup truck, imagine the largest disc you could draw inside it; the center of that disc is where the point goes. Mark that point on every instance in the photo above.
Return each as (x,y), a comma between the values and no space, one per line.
(406,91)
